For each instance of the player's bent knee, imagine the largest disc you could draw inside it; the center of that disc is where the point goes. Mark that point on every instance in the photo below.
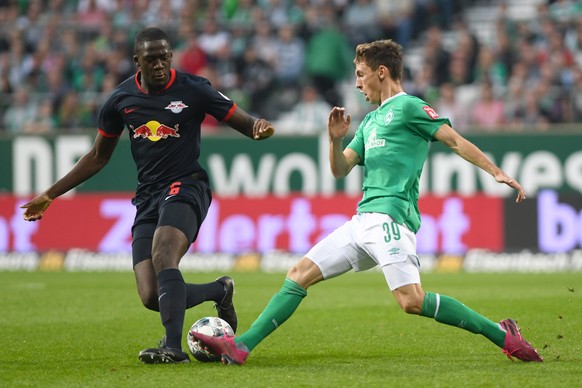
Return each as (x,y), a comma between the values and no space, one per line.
(305,273)
(151,304)
(410,308)
(149,299)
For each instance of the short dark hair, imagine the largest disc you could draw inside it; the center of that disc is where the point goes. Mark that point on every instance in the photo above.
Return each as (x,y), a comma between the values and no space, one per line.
(149,34)
(381,52)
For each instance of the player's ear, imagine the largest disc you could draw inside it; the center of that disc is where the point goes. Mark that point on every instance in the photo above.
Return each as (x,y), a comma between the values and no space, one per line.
(383,72)
(135,60)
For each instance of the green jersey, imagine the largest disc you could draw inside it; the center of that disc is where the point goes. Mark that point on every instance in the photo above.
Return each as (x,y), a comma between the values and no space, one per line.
(392,143)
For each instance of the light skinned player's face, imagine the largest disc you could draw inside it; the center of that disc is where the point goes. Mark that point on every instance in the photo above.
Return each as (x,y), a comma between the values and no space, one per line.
(368,82)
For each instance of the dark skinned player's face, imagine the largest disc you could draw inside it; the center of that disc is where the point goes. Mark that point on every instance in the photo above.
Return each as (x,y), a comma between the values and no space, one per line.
(154,59)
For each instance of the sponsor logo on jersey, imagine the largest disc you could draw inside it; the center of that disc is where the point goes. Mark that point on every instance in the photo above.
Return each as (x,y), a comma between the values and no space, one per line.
(389,116)
(373,141)
(430,112)
(393,251)
(176,106)
(154,131)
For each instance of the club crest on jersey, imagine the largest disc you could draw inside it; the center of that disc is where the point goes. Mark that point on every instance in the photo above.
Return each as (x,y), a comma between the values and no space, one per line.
(389,116)
(154,131)
(176,106)
(430,112)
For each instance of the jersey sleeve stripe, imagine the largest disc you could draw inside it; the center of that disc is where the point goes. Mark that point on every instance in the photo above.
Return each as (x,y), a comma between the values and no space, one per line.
(105,134)
(229,113)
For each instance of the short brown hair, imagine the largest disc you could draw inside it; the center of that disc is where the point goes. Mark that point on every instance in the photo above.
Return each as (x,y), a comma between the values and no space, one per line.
(381,52)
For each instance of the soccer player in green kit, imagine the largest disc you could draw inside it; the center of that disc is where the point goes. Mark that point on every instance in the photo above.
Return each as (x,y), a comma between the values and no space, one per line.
(392,144)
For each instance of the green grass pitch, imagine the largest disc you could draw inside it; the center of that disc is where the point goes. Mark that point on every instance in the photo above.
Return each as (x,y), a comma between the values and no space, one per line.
(85,330)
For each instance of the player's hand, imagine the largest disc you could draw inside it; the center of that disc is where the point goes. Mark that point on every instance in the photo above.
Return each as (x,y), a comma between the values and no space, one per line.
(262,129)
(503,178)
(36,207)
(338,123)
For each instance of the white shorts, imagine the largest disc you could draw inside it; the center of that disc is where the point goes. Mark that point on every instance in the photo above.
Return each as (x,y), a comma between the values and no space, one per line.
(366,241)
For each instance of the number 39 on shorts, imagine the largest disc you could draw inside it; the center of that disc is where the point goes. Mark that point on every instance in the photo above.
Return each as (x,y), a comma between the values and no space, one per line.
(391,231)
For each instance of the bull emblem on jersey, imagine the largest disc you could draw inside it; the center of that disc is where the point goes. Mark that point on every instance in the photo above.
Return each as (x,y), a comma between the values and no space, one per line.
(176,106)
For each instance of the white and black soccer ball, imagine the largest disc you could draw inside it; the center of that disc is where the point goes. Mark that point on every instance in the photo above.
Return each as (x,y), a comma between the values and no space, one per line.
(212,326)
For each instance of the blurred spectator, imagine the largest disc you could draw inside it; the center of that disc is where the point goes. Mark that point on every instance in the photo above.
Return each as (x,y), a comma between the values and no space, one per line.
(225,67)
(531,117)
(264,42)
(276,13)
(29,24)
(550,100)
(5,85)
(490,69)
(308,117)
(447,105)
(43,123)
(239,40)
(396,20)
(488,112)
(190,57)
(241,14)
(573,41)
(74,115)
(212,39)
(20,113)
(424,85)
(92,13)
(576,94)
(458,70)
(514,99)
(256,78)
(289,59)
(296,12)
(329,60)
(504,52)
(466,51)
(565,10)
(360,20)
(435,55)
(88,74)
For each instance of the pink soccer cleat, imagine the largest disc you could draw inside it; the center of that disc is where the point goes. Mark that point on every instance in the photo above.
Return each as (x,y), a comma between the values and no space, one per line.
(230,352)
(515,345)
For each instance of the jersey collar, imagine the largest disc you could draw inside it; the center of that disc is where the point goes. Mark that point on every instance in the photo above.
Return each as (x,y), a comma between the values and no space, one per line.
(170,82)
(393,97)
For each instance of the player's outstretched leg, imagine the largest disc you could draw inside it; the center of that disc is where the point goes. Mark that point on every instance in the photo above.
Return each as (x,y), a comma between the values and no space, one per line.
(282,305)
(163,355)
(515,345)
(505,334)
(225,308)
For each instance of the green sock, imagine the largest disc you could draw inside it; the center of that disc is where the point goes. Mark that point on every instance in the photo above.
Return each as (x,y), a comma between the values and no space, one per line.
(281,306)
(449,311)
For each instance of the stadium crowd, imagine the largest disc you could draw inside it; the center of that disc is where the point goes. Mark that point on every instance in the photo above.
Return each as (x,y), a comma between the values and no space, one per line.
(291,61)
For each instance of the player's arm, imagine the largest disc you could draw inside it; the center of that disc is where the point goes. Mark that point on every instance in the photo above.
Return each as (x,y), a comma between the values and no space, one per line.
(256,129)
(89,164)
(341,160)
(470,152)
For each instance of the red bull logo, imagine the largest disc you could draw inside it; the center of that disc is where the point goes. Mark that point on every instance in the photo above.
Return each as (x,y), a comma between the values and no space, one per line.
(154,131)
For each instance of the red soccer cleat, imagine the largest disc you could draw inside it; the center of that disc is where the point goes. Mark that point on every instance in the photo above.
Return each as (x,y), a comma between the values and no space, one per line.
(230,352)
(515,345)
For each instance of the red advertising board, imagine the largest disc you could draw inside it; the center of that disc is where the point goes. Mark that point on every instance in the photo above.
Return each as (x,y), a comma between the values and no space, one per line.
(102,222)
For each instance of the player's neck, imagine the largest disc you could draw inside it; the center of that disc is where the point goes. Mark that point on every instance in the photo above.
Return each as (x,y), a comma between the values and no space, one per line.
(391,89)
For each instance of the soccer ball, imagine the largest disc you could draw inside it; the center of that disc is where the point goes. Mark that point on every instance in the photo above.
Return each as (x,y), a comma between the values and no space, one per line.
(213,326)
